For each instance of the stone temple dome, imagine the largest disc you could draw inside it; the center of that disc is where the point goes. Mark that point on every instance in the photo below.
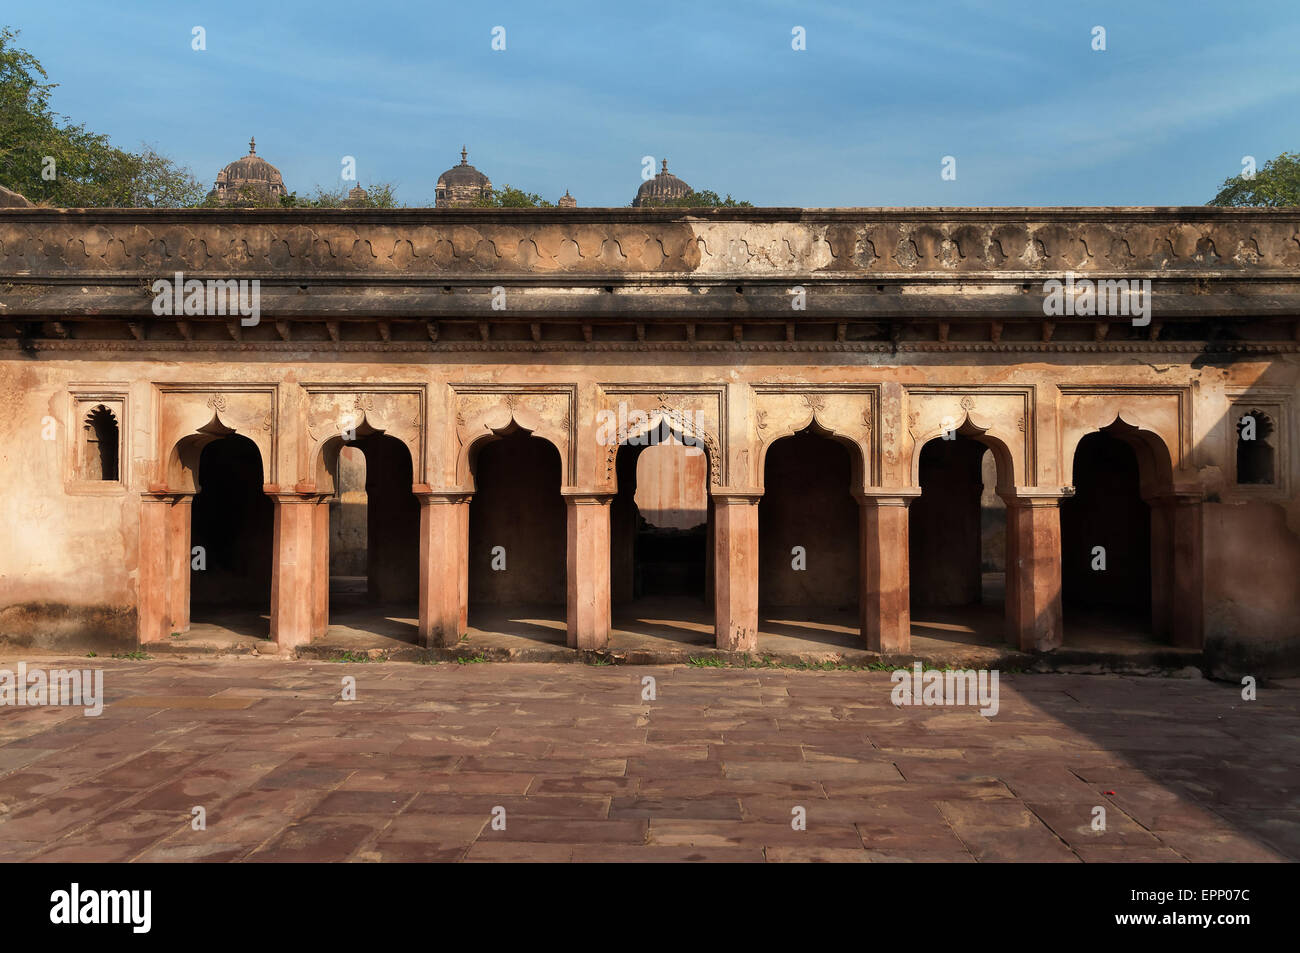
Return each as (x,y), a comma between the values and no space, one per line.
(251,176)
(461,184)
(662,189)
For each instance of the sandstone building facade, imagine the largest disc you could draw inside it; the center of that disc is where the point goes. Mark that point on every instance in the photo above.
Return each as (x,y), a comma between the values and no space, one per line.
(845,384)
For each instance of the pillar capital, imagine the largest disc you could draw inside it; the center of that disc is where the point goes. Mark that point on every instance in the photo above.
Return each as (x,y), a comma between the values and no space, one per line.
(735,495)
(1034,496)
(581,497)
(429,497)
(298,497)
(887,496)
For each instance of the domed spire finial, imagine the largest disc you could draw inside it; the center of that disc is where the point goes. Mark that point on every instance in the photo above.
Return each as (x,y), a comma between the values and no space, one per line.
(252,145)
(464,156)
(665,169)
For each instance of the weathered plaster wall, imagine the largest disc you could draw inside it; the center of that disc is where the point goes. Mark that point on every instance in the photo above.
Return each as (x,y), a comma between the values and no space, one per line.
(69,565)
(915,320)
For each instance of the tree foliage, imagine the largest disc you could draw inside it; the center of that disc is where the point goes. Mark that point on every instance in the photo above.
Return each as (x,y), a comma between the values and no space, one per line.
(378,195)
(510,197)
(1277,184)
(698,199)
(53,161)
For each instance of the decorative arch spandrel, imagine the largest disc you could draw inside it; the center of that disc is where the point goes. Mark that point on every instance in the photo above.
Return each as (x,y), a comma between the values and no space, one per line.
(485,412)
(1000,418)
(333,412)
(848,414)
(1154,419)
(190,416)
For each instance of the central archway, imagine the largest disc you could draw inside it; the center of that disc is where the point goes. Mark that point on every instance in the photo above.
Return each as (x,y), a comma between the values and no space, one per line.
(232,529)
(809,570)
(661,538)
(957,540)
(373,538)
(517,539)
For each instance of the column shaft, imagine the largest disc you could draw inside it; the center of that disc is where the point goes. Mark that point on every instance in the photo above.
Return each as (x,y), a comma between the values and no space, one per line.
(885,599)
(292,598)
(735,572)
(1033,595)
(588,583)
(153,614)
(444,568)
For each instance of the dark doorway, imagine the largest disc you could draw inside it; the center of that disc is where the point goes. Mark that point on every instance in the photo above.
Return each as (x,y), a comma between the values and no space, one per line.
(517,530)
(234,523)
(808,541)
(957,543)
(1106,519)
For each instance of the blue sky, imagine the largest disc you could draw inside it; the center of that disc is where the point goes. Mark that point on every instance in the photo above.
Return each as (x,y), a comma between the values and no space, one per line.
(864,116)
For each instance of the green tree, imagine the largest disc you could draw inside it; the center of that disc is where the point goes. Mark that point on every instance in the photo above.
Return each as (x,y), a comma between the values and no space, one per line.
(698,199)
(53,161)
(1277,184)
(378,195)
(510,197)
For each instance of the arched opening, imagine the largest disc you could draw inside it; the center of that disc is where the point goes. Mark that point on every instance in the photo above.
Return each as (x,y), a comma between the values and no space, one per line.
(808,545)
(957,543)
(1255,449)
(232,534)
(374,540)
(517,540)
(1106,545)
(100,442)
(661,538)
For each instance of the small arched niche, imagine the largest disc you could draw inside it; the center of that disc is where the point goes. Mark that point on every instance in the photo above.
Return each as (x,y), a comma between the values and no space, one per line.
(1255,453)
(100,445)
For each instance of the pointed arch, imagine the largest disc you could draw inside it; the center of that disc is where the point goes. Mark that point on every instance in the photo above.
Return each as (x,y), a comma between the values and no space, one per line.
(499,421)
(662,422)
(1155,460)
(858,455)
(1002,455)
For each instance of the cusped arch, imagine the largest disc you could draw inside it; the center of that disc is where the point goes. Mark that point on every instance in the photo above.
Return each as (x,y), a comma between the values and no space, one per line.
(810,424)
(500,421)
(680,426)
(325,456)
(182,461)
(1008,475)
(1154,458)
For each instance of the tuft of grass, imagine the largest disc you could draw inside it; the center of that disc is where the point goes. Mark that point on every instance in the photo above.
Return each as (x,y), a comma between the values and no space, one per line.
(136,656)
(349,656)
(471,659)
(707,661)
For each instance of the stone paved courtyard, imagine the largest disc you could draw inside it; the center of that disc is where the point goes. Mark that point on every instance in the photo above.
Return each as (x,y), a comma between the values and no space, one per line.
(587,770)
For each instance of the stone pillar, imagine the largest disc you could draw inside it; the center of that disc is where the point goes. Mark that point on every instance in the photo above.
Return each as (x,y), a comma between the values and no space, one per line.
(292,593)
(444,566)
(1177,590)
(320,573)
(1033,597)
(178,562)
(153,614)
(735,570)
(885,597)
(588,583)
